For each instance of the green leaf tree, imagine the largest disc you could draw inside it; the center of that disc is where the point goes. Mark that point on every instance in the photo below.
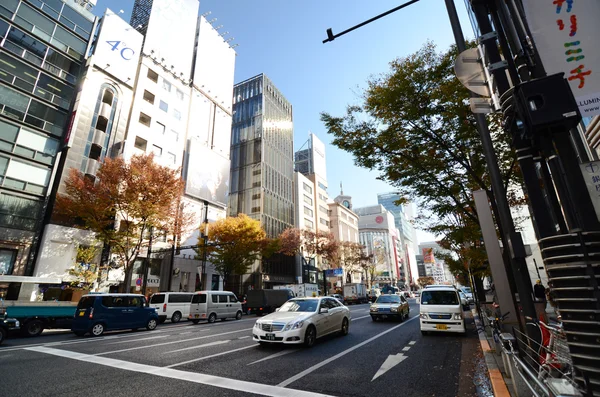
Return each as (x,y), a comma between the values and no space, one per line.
(415,127)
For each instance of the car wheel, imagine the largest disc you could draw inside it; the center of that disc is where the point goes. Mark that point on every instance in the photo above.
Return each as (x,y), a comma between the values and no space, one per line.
(195,321)
(79,333)
(238,315)
(97,329)
(374,318)
(345,327)
(2,335)
(310,336)
(33,328)
(151,324)
(176,317)
(212,318)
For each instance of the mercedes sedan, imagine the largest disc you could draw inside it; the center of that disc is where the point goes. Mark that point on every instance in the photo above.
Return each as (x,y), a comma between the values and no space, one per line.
(302,321)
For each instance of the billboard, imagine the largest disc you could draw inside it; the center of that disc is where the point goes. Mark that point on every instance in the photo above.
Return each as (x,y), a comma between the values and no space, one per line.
(565,33)
(118,48)
(318,156)
(215,64)
(428,255)
(171,33)
(207,174)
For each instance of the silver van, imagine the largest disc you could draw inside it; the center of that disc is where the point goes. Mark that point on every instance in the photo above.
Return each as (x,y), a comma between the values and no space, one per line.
(172,306)
(211,305)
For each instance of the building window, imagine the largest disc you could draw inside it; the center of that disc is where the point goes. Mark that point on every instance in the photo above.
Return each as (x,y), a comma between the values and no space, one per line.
(307,188)
(255,210)
(324,222)
(177,114)
(159,128)
(179,94)
(308,200)
(166,85)
(171,157)
(157,150)
(145,119)
(323,209)
(309,223)
(322,186)
(148,96)
(140,143)
(164,106)
(175,135)
(322,197)
(308,211)
(7,261)
(152,75)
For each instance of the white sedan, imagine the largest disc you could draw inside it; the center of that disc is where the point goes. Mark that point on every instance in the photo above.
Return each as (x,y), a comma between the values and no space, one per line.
(303,320)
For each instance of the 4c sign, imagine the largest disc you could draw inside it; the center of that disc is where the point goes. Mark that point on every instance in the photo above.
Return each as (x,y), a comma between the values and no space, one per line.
(126,52)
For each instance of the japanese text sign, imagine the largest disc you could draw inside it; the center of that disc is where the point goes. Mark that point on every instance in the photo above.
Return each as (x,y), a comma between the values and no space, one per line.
(591,174)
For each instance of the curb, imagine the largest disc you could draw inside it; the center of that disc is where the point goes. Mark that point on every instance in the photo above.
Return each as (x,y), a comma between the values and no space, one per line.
(496,379)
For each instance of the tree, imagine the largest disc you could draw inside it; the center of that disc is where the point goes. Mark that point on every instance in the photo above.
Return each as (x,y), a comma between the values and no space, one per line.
(350,254)
(415,127)
(368,266)
(124,203)
(309,245)
(234,244)
(425,281)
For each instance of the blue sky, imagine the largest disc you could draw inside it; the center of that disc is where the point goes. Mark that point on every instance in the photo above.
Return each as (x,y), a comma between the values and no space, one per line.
(283,39)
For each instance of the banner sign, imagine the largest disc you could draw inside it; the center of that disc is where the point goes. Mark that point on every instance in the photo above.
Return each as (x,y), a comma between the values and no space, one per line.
(566,33)
(428,255)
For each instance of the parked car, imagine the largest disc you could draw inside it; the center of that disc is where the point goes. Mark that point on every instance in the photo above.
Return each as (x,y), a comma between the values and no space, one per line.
(389,306)
(7,325)
(468,293)
(171,305)
(463,300)
(441,310)
(213,305)
(98,313)
(302,321)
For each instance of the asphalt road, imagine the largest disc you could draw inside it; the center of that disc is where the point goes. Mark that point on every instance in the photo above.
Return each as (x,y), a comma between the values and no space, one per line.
(384,358)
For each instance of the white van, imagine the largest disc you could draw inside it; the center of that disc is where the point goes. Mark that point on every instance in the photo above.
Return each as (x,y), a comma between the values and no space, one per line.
(441,310)
(171,305)
(211,305)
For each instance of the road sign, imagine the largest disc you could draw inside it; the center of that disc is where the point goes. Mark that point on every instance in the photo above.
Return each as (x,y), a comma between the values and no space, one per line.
(469,70)
(138,282)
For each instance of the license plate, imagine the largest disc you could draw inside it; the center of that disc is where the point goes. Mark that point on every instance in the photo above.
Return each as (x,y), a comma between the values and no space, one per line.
(441,326)
(81,314)
(270,336)
(196,316)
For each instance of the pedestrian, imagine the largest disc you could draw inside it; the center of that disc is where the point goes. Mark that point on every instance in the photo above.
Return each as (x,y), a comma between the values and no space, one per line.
(539,294)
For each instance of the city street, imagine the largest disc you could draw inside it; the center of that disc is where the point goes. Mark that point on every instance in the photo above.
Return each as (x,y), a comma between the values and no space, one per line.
(384,358)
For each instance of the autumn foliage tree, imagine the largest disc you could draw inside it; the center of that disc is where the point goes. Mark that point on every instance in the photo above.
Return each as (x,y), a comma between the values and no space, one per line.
(309,245)
(234,243)
(123,203)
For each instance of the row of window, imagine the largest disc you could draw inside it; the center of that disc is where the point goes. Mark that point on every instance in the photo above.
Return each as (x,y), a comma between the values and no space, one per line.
(19,212)
(57,9)
(142,144)
(166,85)
(33,50)
(19,175)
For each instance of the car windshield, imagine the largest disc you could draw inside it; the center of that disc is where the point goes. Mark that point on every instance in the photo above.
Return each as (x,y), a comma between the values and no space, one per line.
(388,299)
(439,298)
(466,290)
(300,305)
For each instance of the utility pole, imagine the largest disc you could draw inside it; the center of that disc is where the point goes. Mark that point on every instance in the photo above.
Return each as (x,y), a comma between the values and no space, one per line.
(146,265)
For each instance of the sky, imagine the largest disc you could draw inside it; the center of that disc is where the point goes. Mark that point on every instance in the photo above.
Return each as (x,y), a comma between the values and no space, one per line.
(283,39)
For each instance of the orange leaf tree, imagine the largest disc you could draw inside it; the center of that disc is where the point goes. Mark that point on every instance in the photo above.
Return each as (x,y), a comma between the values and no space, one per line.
(309,245)
(123,203)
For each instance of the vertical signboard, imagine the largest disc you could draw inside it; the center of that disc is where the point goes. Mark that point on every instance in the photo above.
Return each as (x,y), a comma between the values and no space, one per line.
(318,156)
(428,255)
(118,48)
(565,33)
(207,174)
(591,174)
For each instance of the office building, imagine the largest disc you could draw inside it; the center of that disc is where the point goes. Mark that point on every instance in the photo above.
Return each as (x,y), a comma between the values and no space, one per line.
(43,48)
(344,227)
(262,170)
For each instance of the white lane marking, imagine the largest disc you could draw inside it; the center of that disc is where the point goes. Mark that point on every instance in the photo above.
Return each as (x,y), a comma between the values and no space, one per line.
(412,342)
(406,348)
(244,337)
(390,362)
(194,377)
(219,342)
(137,340)
(185,333)
(325,362)
(172,342)
(211,356)
(358,318)
(279,354)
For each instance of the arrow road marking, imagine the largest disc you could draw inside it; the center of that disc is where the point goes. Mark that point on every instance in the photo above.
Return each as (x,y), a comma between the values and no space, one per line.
(389,363)
(281,353)
(393,360)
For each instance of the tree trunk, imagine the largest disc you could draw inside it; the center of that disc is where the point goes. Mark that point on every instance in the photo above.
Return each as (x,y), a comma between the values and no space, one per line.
(125,287)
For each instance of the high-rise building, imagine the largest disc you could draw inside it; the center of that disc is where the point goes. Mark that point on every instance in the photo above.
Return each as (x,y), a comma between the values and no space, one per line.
(262,169)
(43,49)
(344,228)
(406,232)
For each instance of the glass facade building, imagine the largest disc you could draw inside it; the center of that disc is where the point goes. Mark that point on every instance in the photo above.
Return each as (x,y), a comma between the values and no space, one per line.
(262,164)
(43,46)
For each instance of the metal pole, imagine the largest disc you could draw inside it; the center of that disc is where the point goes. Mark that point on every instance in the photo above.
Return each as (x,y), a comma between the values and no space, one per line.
(203,278)
(516,247)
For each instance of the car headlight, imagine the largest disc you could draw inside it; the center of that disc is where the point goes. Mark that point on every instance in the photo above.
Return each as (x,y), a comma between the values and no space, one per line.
(395,309)
(374,308)
(423,315)
(17,323)
(458,316)
(257,325)
(296,325)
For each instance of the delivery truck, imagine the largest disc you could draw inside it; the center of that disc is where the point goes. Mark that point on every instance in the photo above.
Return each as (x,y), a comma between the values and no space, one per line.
(355,293)
(306,290)
(265,301)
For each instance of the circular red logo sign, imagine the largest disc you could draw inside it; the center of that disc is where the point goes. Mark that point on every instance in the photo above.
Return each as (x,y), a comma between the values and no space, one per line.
(379,219)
